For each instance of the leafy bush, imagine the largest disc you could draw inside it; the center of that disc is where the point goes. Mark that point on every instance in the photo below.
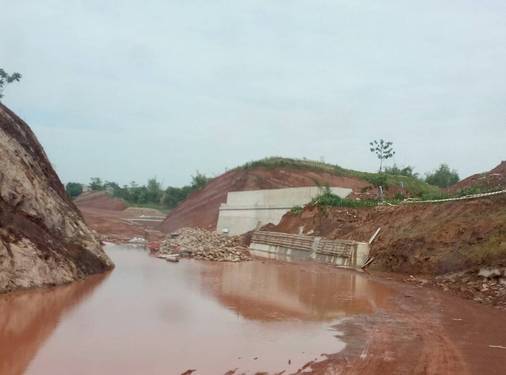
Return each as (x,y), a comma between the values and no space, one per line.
(407,171)
(442,177)
(296,210)
(73,189)
(96,184)
(332,200)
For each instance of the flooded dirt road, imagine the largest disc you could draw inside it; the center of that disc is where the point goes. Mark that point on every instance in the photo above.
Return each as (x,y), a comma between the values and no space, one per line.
(153,317)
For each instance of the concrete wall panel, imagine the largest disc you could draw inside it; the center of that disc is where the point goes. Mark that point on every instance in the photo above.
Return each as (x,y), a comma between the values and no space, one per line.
(248,210)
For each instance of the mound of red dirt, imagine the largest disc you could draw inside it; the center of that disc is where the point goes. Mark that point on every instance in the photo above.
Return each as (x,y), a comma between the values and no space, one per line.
(114,221)
(101,200)
(201,209)
(494,179)
(416,238)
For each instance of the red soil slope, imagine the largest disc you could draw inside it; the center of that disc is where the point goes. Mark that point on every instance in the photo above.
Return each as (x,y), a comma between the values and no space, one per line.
(416,238)
(494,179)
(109,217)
(201,208)
(99,199)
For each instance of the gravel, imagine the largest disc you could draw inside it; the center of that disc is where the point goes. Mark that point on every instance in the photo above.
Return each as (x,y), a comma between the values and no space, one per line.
(205,245)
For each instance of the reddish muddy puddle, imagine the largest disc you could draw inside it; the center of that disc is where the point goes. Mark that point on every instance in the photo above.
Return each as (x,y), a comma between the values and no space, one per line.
(152,317)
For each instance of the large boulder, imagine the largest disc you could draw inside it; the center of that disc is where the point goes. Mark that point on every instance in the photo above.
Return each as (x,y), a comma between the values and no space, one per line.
(43,237)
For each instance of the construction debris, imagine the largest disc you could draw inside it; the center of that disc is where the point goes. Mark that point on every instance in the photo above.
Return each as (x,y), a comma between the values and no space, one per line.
(204,245)
(169,257)
(486,285)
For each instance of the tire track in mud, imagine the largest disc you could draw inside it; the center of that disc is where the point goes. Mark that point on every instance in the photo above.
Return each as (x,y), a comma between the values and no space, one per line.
(406,338)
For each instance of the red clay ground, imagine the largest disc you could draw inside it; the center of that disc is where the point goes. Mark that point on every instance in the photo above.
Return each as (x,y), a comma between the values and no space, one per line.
(494,179)
(100,199)
(424,331)
(416,238)
(108,217)
(444,244)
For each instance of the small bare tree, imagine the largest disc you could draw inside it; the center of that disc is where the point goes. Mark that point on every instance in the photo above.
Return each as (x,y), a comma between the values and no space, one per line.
(383,150)
(6,78)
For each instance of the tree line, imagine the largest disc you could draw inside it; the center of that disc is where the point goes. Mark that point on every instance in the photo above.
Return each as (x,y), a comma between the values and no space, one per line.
(152,193)
(442,177)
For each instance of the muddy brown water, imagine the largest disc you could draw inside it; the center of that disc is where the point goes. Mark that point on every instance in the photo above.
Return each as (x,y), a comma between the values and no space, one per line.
(152,317)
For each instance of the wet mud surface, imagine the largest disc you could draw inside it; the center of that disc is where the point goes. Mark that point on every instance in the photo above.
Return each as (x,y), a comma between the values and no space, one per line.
(151,317)
(258,317)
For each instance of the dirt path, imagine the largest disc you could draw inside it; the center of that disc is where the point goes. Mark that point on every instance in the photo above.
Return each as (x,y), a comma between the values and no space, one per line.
(113,226)
(424,331)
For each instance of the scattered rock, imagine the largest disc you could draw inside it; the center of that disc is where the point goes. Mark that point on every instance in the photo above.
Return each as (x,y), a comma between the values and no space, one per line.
(204,245)
(490,272)
(484,285)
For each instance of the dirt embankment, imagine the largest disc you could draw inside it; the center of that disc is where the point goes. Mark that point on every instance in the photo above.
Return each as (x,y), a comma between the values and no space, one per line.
(494,179)
(114,221)
(43,237)
(416,238)
(101,200)
(201,209)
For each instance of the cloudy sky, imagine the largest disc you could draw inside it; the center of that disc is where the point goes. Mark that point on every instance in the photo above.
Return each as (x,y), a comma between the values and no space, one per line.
(127,90)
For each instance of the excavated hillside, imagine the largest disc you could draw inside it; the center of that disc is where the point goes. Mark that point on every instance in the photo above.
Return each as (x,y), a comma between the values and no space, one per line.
(43,237)
(101,200)
(420,238)
(494,179)
(201,208)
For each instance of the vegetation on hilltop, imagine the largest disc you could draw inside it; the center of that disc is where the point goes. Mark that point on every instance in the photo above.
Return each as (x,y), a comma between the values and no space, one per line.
(443,177)
(405,179)
(151,195)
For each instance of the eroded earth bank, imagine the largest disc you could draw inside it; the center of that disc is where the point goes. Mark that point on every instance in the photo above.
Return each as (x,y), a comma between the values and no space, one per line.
(43,237)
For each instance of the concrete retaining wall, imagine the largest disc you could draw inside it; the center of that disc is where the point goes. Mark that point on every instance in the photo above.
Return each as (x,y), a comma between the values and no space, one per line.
(248,210)
(283,246)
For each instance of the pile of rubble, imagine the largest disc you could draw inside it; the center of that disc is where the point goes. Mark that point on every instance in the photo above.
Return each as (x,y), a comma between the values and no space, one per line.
(486,285)
(202,244)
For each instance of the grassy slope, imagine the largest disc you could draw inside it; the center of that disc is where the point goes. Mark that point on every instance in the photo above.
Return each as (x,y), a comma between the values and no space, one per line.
(412,185)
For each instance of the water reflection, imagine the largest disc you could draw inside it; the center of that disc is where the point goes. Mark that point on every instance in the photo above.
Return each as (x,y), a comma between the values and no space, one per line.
(276,291)
(28,318)
(153,317)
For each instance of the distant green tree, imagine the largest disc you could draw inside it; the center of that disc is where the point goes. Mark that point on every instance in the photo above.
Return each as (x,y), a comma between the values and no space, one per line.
(442,177)
(133,192)
(73,189)
(143,195)
(154,190)
(383,150)
(96,184)
(407,171)
(6,78)
(199,181)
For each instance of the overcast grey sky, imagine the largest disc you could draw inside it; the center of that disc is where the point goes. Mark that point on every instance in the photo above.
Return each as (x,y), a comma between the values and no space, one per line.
(127,90)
